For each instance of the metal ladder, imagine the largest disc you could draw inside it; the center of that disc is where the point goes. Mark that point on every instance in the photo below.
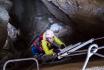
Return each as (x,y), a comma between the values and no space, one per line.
(19,60)
(92,50)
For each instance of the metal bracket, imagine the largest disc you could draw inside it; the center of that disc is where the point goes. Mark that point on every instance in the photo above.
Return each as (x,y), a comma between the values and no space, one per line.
(92,51)
(18,60)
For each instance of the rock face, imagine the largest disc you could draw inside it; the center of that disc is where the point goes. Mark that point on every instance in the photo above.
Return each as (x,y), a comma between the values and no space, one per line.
(87,11)
(84,17)
(4,18)
(33,18)
(87,16)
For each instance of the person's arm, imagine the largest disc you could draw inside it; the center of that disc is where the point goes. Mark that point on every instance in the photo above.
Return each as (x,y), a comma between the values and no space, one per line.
(46,49)
(58,41)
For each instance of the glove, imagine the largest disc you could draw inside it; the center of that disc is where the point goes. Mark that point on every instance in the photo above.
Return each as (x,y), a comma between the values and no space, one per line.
(56,50)
(62,46)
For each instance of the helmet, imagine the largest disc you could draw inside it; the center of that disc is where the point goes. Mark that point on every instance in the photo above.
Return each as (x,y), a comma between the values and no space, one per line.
(55,27)
(49,34)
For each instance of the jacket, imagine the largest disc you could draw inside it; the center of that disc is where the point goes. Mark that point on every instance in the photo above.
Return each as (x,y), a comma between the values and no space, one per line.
(46,45)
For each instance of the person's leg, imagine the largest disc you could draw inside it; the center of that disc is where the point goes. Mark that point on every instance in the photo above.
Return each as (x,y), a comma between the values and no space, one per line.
(34,51)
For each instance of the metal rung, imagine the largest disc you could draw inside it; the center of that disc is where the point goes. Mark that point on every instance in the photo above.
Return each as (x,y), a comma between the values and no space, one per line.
(77,54)
(76,47)
(100,55)
(18,60)
(91,51)
(102,47)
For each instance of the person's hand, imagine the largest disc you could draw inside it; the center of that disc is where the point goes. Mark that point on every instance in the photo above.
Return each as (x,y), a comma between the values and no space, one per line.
(62,46)
(56,50)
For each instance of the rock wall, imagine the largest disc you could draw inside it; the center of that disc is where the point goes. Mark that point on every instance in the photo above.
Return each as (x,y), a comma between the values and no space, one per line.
(84,17)
(87,16)
(4,19)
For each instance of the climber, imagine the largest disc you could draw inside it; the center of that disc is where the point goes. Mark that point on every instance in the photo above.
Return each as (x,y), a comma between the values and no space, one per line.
(49,44)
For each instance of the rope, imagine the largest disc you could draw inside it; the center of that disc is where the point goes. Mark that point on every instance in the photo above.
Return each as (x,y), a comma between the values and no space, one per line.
(99,38)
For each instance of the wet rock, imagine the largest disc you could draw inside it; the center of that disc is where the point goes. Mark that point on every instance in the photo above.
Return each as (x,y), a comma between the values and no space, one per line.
(4,19)
(85,17)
